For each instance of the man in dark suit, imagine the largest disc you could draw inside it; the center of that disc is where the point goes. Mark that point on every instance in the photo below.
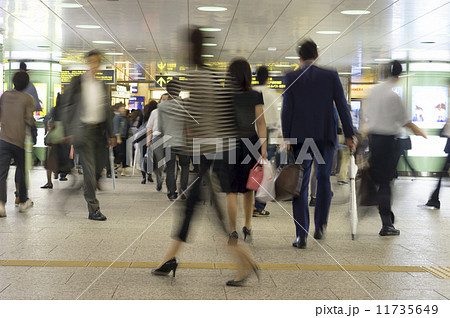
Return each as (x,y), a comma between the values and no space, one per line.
(309,111)
(89,118)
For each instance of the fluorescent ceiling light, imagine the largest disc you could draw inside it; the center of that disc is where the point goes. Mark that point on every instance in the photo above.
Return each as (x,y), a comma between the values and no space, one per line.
(274,72)
(68,5)
(207,55)
(363,67)
(383,60)
(121,62)
(88,26)
(113,53)
(355,12)
(292,57)
(328,32)
(212,9)
(282,65)
(410,49)
(207,64)
(68,61)
(103,42)
(444,34)
(209,44)
(428,42)
(345,73)
(272,49)
(130,68)
(210,29)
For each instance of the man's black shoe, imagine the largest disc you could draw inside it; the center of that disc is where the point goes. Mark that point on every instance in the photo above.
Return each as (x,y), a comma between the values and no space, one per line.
(108,175)
(158,187)
(312,202)
(150,178)
(300,242)
(318,233)
(389,230)
(172,197)
(434,204)
(97,216)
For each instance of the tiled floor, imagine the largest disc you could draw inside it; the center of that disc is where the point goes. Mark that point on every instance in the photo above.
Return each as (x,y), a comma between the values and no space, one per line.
(137,230)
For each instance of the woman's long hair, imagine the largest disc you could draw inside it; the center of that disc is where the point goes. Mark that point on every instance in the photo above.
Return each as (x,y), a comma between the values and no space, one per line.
(241,73)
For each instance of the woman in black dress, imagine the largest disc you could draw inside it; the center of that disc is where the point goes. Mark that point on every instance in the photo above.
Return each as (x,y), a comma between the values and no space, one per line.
(248,106)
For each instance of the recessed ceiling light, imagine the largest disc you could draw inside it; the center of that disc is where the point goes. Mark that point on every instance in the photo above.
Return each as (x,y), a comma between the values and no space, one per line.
(209,44)
(113,53)
(210,29)
(355,12)
(207,64)
(103,42)
(44,46)
(274,72)
(140,49)
(207,55)
(88,26)
(272,49)
(292,57)
(382,60)
(68,5)
(68,61)
(121,62)
(345,73)
(363,67)
(428,42)
(282,65)
(212,9)
(328,32)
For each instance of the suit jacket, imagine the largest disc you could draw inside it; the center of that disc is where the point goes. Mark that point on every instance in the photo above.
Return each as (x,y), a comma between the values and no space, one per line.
(73,104)
(308,106)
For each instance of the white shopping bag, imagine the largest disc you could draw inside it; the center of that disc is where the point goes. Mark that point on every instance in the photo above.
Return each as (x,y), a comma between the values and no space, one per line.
(266,191)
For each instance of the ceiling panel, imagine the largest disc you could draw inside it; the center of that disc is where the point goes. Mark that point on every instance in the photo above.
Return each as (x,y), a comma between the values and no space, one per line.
(149,32)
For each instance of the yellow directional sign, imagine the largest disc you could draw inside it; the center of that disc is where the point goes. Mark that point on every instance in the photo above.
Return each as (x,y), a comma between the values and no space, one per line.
(161,65)
(296,66)
(161,82)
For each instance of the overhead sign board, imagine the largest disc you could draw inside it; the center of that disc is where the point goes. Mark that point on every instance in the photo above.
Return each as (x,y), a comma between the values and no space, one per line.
(106,76)
(275,82)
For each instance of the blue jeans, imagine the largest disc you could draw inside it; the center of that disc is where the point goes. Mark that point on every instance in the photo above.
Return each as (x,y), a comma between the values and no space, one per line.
(323,199)
(271,150)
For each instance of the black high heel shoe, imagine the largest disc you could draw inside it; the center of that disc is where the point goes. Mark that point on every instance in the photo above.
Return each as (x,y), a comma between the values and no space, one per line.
(47,186)
(166,268)
(246,231)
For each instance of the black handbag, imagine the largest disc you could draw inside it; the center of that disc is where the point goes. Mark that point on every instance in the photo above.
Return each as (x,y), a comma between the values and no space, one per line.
(288,182)
(404,143)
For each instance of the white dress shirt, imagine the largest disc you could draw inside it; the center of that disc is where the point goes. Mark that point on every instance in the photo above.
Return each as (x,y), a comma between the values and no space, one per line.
(93,97)
(272,110)
(385,113)
(152,123)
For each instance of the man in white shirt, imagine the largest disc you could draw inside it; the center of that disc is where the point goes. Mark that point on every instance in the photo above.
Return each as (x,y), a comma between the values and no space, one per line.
(155,153)
(272,106)
(88,120)
(384,117)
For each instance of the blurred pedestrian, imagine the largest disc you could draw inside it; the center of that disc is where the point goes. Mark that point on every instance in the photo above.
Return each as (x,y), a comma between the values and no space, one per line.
(87,116)
(16,116)
(248,107)
(384,116)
